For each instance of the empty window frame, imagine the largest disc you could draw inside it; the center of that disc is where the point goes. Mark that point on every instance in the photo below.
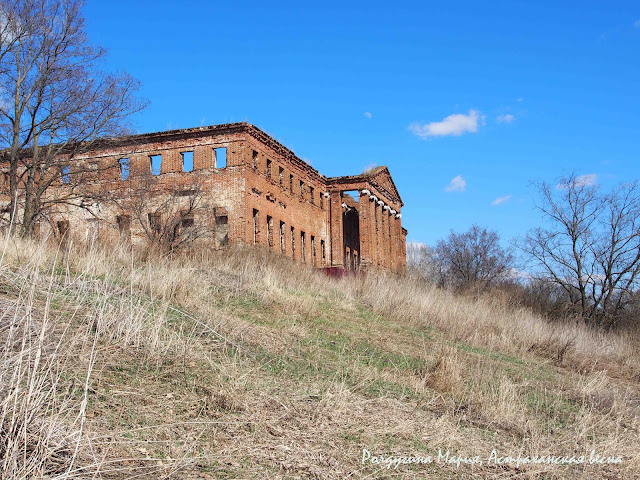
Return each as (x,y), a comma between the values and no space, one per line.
(222,227)
(155,164)
(281,176)
(254,159)
(124,227)
(303,246)
(220,157)
(63,227)
(155,223)
(312,195)
(63,231)
(321,200)
(187,220)
(270,231)
(124,164)
(322,257)
(255,226)
(187,161)
(301,188)
(291,183)
(282,239)
(293,243)
(313,250)
(66,177)
(268,171)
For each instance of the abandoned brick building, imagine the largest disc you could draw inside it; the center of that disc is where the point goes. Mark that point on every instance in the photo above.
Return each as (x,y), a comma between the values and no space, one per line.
(257,192)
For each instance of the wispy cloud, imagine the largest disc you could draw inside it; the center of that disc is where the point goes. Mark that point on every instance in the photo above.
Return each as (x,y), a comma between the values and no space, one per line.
(587,180)
(415,244)
(501,200)
(520,99)
(505,118)
(457,184)
(5,105)
(370,167)
(517,274)
(368,114)
(455,124)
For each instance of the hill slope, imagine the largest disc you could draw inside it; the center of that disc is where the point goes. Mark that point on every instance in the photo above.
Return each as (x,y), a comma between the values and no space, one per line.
(246,366)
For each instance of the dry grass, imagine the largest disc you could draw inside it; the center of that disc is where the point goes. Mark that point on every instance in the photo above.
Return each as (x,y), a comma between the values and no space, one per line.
(245,366)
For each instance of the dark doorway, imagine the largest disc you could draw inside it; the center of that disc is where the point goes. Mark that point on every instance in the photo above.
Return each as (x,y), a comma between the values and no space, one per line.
(351,238)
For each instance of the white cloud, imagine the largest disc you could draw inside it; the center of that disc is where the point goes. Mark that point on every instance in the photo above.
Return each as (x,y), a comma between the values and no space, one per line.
(368,114)
(370,167)
(501,200)
(455,124)
(416,244)
(587,180)
(457,184)
(516,274)
(505,118)
(9,32)
(5,104)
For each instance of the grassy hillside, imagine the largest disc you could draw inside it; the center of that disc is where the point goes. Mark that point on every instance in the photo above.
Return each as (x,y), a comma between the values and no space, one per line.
(244,366)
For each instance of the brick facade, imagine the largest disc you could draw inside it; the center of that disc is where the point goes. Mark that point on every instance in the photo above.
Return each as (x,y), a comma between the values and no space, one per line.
(258,191)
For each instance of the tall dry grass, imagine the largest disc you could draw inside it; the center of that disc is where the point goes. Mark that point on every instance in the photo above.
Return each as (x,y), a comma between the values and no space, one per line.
(57,315)
(41,427)
(491,322)
(69,316)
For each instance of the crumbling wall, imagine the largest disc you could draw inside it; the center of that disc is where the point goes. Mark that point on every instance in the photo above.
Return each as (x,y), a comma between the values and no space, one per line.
(253,189)
(285,209)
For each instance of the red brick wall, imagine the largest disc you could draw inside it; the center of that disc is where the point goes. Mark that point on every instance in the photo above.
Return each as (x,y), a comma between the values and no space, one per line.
(239,188)
(272,199)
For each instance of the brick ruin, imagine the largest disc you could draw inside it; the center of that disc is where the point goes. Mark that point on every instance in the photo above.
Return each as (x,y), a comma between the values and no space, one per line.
(257,192)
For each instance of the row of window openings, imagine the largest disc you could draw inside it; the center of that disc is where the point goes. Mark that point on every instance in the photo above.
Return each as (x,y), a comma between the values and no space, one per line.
(283,246)
(221,234)
(155,223)
(281,179)
(155,162)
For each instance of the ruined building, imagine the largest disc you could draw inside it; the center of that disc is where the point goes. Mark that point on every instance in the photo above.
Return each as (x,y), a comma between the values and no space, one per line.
(256,191)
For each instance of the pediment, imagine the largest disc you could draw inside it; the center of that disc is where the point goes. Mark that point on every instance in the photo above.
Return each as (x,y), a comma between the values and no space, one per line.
(381,178)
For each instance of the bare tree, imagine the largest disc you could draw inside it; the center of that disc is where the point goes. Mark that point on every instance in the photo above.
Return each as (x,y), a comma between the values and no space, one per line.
(171,218)
(420,262)
(55,103)
(473,258)
(589,246)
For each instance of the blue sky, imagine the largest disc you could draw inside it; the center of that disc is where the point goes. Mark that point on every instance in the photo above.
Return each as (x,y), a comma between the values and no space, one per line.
(466,102)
